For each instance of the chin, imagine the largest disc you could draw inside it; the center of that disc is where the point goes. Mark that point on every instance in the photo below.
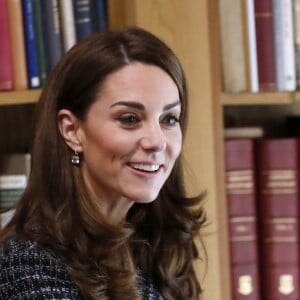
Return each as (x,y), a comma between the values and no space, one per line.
(144,198)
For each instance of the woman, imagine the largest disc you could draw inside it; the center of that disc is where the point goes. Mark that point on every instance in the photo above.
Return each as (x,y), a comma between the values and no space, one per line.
(105,214)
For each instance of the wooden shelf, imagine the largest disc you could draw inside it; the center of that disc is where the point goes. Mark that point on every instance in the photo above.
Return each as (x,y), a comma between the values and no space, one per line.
(19,97)
(296,96)
(259,98)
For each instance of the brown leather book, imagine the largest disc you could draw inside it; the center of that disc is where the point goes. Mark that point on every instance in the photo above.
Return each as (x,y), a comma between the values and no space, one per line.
(265,43)
(17,44)
(241,203)
(278,214)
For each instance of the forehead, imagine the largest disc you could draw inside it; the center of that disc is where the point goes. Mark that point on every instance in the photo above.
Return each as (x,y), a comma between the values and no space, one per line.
(138,81)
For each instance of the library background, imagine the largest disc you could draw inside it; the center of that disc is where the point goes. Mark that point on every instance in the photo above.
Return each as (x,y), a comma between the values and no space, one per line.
(242,61)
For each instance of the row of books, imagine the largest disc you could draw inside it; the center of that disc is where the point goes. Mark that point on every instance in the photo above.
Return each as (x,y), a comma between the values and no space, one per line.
(263,193)
(34,34)
(260,41)
(14,172)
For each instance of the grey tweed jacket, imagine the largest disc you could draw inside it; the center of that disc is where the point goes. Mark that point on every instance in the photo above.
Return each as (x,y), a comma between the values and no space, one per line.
(28,273)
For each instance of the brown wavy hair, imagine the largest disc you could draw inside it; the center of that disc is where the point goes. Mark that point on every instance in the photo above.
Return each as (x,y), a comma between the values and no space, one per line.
(56,211)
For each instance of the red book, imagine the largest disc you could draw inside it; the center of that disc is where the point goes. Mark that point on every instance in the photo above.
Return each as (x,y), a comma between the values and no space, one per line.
(6,73)
(265,45)
(241,203)
(278,211)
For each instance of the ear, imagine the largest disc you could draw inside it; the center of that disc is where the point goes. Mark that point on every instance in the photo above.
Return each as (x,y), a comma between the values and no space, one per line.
(68,125)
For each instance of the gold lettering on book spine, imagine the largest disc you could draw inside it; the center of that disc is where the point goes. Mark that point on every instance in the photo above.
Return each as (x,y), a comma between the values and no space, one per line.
(280,182)
(55,16)
(242,229)
(286,284)
(240,182)
(245,285)
(283,230)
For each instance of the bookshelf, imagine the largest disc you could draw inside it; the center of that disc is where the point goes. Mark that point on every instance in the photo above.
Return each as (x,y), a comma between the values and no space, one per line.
(19,97)
(191,28)
(256,98)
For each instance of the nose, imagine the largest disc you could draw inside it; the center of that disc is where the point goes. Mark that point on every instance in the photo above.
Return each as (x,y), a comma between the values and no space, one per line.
(153,139)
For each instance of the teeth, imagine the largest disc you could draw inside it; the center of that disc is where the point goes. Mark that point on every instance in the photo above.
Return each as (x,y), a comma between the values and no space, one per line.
(144,167)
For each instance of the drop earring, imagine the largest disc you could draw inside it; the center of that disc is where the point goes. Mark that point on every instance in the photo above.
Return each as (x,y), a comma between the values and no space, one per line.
(75,159)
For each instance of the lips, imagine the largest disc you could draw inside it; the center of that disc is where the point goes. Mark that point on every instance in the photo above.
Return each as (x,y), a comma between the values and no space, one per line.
(145,167)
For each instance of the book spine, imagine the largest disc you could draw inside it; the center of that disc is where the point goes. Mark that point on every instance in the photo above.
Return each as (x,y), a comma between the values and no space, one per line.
(17,45)
(234,61)
(30,45)
(99,15)
(83,18)
(52,33)
(241,201)
(68,24)
(14,172)
(11,189)
(280,274)
(296,23)
(278,187)
(265,45)
(289,70)
(38,26)
(284,45)
(6,69)
(252,50)
(278,38)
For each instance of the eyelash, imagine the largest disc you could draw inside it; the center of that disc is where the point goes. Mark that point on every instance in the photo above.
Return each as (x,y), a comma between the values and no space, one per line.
(172,120)
(130,120)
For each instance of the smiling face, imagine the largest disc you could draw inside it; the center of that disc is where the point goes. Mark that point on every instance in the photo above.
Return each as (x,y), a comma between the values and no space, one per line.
(131,137)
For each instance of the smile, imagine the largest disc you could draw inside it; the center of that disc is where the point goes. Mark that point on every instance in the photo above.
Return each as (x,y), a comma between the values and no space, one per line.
(145,167)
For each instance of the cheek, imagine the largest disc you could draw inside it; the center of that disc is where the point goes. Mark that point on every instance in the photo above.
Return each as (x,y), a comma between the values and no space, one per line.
(113,142)
(177,151)
(175,145)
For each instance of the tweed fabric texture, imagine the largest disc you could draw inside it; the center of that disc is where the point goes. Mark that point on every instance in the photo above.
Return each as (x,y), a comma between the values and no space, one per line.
(28,273)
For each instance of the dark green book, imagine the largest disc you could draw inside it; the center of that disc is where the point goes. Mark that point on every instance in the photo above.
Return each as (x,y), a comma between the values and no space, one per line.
(52,33)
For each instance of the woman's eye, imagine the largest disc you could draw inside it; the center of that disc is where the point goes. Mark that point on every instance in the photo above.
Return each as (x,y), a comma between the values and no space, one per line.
(129,119)
(171,120)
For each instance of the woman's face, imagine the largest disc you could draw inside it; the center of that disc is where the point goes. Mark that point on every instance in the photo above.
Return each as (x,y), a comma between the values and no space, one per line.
(131,136)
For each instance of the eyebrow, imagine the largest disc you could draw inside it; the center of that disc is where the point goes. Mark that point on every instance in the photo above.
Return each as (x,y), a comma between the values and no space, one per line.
(140,106)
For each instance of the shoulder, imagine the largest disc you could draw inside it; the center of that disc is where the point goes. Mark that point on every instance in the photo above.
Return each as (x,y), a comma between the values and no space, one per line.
(16,247)
(28,272)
